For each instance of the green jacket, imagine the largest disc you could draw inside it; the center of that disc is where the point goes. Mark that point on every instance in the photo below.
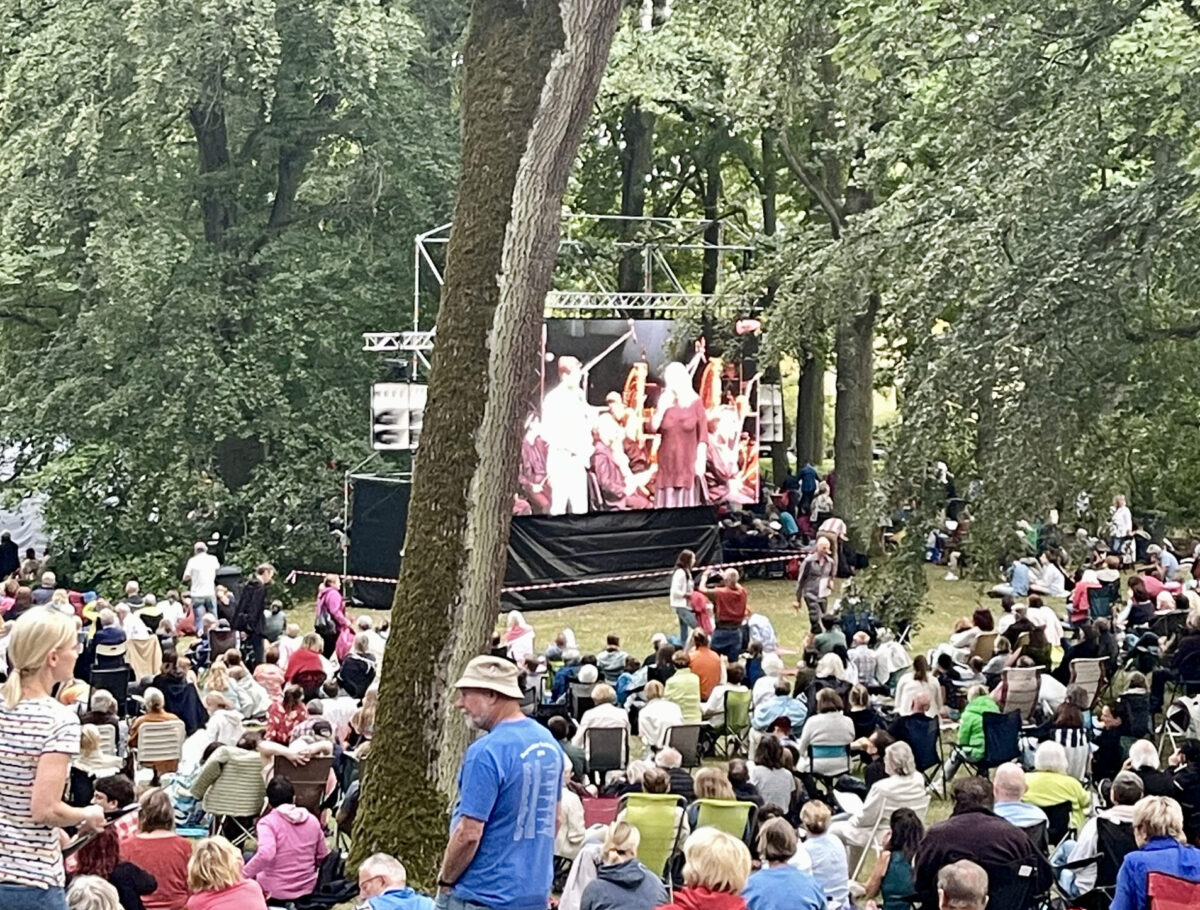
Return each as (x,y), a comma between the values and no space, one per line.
(970,725)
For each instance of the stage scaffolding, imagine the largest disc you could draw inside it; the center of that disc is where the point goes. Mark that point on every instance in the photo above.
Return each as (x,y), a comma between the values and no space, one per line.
(587,270)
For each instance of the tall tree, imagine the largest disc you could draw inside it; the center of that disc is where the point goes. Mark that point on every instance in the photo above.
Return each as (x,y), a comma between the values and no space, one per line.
(532,71)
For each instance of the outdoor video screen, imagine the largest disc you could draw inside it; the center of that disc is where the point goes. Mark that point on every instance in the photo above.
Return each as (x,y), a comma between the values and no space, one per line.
(627,415)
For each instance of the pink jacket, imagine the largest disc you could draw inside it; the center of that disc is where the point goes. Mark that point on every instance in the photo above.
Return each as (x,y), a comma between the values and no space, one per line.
(290,847)
(242,896)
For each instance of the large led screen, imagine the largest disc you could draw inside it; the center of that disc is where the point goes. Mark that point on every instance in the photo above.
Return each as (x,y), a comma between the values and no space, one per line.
(629,416)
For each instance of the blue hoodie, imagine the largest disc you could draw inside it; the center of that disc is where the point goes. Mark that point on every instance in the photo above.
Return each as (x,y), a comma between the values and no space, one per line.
(624,886)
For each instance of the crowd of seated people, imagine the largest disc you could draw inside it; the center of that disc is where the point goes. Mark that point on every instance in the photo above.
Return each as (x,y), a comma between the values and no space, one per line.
(818,775)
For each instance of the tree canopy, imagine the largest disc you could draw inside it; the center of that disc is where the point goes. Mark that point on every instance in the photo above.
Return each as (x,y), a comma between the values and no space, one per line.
(988,208)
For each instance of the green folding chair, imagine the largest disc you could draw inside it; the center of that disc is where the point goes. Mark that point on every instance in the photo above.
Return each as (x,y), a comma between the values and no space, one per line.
(735,730)
(658,824)
(728,815)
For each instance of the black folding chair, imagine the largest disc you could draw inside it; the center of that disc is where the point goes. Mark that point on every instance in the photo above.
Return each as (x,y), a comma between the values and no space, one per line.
(1011,888)
(924,736)
(1059,817)
(686,738)
(1001,741)
(1115,841)
(605,749)
(580,698)
(116,683)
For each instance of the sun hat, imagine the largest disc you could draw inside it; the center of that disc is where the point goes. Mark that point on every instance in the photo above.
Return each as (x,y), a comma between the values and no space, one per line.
(493,673)
(588,674)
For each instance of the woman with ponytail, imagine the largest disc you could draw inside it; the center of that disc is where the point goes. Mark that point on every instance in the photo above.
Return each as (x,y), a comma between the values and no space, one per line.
(622,883)
(38,738)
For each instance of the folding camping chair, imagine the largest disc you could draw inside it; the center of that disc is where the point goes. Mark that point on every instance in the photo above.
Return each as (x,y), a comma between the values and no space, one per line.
(1170,893)
(159,741)
(1115,841)
(1101,600)
(659,826)
(1019,691)
(579,697)
(984,647)
(882,822)
(735,728)
(729,815)
(1088,673)
(308,780)
(108,657)
(220,641)
(826,778)
(235,799)
(605,749)
(1012,887)
(924,736)
(1058,826)
(686,739)
(1001,742)
(116,683)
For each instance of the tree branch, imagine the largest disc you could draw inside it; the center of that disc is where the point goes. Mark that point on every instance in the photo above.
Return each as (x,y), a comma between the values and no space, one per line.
(25,320)
(1182,332)
(813,185)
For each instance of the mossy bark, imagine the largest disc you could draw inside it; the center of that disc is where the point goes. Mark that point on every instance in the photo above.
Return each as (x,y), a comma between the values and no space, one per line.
(532,70)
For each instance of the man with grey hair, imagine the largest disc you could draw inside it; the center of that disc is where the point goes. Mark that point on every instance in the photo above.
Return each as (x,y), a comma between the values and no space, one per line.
(671,761)
(383,885)
(962,886)
(1008,788)
(1126,791)
(41,595)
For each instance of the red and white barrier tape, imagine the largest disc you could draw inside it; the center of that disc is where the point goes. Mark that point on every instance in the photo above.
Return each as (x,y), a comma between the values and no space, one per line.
(543,586)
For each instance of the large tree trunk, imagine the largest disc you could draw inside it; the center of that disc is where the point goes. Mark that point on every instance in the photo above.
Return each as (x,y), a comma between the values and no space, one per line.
(854,415)
(532,70)
(637,129)
(810,411)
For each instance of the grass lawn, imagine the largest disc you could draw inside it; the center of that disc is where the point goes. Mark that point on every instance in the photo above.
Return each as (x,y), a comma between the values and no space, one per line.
(636,620)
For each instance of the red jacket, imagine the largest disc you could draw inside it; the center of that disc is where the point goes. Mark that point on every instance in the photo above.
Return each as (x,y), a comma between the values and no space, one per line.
(703,899)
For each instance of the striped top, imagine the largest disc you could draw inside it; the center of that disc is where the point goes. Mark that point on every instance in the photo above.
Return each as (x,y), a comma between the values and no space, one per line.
(32,856)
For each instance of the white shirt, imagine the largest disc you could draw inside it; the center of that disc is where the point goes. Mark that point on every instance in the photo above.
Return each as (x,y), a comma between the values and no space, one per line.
(171,611)
(1051,693)
(287,647)
(681,587)
(567,421)
(201,573)
(1088,845)
(764,689)
(1122,522)
(653,720)
(908,687)
(605,716)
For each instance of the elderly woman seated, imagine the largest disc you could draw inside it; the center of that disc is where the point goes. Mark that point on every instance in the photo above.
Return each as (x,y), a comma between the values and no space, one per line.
(1158,831)
(903,788)
(829,727)
(1050,784)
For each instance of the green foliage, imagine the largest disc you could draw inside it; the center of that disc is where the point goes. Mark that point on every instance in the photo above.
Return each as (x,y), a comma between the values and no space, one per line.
(202,205)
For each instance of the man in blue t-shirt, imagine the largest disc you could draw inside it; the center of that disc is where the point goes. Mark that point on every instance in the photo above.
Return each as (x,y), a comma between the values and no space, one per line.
(501,850)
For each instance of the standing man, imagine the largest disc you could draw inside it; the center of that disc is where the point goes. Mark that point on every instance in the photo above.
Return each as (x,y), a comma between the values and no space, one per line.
(567,429)
(250,609)
(501,850)
(201,573)
(10,556)
(815,583)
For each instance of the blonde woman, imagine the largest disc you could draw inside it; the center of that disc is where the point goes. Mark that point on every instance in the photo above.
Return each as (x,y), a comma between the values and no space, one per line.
(38,738)
(91,760)
(622,883)
(715,870)
(215,879)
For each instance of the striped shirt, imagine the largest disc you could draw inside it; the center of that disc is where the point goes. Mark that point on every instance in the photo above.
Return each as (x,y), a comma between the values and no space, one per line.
(36,726)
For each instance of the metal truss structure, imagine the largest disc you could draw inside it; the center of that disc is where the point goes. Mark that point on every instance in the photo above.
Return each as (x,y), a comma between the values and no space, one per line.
(657,241)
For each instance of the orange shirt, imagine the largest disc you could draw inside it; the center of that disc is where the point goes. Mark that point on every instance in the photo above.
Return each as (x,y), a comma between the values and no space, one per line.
(706,664)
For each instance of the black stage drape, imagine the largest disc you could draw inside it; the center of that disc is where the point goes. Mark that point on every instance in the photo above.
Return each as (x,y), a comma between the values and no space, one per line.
(541,548)
(570,547)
